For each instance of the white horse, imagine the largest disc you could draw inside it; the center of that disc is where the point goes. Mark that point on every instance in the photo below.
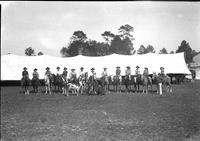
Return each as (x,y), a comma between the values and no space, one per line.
(47,81)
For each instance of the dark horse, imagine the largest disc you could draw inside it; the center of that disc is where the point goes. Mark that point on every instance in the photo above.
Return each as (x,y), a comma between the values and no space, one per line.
(128,83)
(117,83)
(162,79)
(57,82)
(35,84)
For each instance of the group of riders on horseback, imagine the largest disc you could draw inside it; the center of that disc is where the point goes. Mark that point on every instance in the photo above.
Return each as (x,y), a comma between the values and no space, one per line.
(90,84)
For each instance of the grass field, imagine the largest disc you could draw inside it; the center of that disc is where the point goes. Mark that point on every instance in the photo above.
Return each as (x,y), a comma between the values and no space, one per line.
(112,117)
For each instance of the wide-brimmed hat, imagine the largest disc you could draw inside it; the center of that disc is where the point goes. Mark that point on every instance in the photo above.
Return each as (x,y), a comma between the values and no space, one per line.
(128,67)
(137,67)
(35,69)
(92,68)
(47,68)
(72,69)
(145,68)
(25,68)
(65,68)
(104,68)
(118,67)
(58,68)
(162,68)
(82,68)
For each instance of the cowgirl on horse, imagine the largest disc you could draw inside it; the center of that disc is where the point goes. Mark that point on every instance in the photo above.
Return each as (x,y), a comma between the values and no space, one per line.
(137,79)
(117,80)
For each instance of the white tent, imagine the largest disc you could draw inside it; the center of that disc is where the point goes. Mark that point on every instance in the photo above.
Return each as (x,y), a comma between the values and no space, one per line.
(12,65)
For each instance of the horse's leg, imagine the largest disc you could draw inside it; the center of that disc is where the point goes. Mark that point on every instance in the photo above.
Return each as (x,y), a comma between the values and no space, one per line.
(49,89)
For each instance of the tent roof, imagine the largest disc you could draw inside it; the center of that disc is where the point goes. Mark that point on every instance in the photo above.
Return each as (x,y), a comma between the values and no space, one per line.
(12,65)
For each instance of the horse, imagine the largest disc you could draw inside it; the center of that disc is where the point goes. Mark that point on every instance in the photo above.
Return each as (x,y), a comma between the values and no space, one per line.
(82,82)
(48,83)
(64,85)
(137,81)
(35,84)
(162,79)
(146,81)
(92,85)
(127,82)
(57,82)
(105,83)
(117,83)
(25,82)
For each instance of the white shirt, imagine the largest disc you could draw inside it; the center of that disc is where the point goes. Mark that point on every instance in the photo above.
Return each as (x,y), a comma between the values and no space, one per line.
(58,72)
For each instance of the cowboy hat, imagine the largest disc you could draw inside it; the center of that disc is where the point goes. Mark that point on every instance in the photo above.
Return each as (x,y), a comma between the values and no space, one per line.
(82,68)
(137,67)
(72,69)
(104,68)
(58,68)
(118,67)
(65,68)
(92,68)
(128,67)
(25,68)
(161,68)
(145,68)
(35,69)
(47,68)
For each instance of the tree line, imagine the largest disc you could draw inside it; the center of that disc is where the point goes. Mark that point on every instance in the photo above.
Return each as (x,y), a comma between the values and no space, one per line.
(120,43)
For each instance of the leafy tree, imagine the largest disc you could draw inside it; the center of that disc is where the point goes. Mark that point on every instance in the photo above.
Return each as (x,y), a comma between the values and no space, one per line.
(125,31)
(108,36)
(163,51)
(141,50)
(40,53)
(116,44)
(150,49)
(29,51)
(185,47)
(78,36)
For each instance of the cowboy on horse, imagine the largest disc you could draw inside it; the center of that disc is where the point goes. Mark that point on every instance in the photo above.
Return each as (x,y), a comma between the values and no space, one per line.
(128,78)
(65,72)
(117,78)
(73,76)
(104,76)
(137,79)
(145,79)
(48,80)
(25,80)
(35,80)
(82,79)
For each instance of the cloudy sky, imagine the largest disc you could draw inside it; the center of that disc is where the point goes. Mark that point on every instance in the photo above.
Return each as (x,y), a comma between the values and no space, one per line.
(48,26)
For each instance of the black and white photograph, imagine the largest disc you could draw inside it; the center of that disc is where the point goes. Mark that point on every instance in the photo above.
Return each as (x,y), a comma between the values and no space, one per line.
(100,71)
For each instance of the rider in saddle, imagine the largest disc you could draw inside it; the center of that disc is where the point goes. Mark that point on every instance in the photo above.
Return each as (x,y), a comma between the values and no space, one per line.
(146,72)
(104,74)
(118,72)
(81,73)
(137,71)
(58,72)
(48,72)
(73,76)
(128,72)
(65,73)
(93,73)
(25,74)
(35,74)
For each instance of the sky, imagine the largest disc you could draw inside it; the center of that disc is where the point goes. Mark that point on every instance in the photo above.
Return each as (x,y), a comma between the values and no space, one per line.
(47,26)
